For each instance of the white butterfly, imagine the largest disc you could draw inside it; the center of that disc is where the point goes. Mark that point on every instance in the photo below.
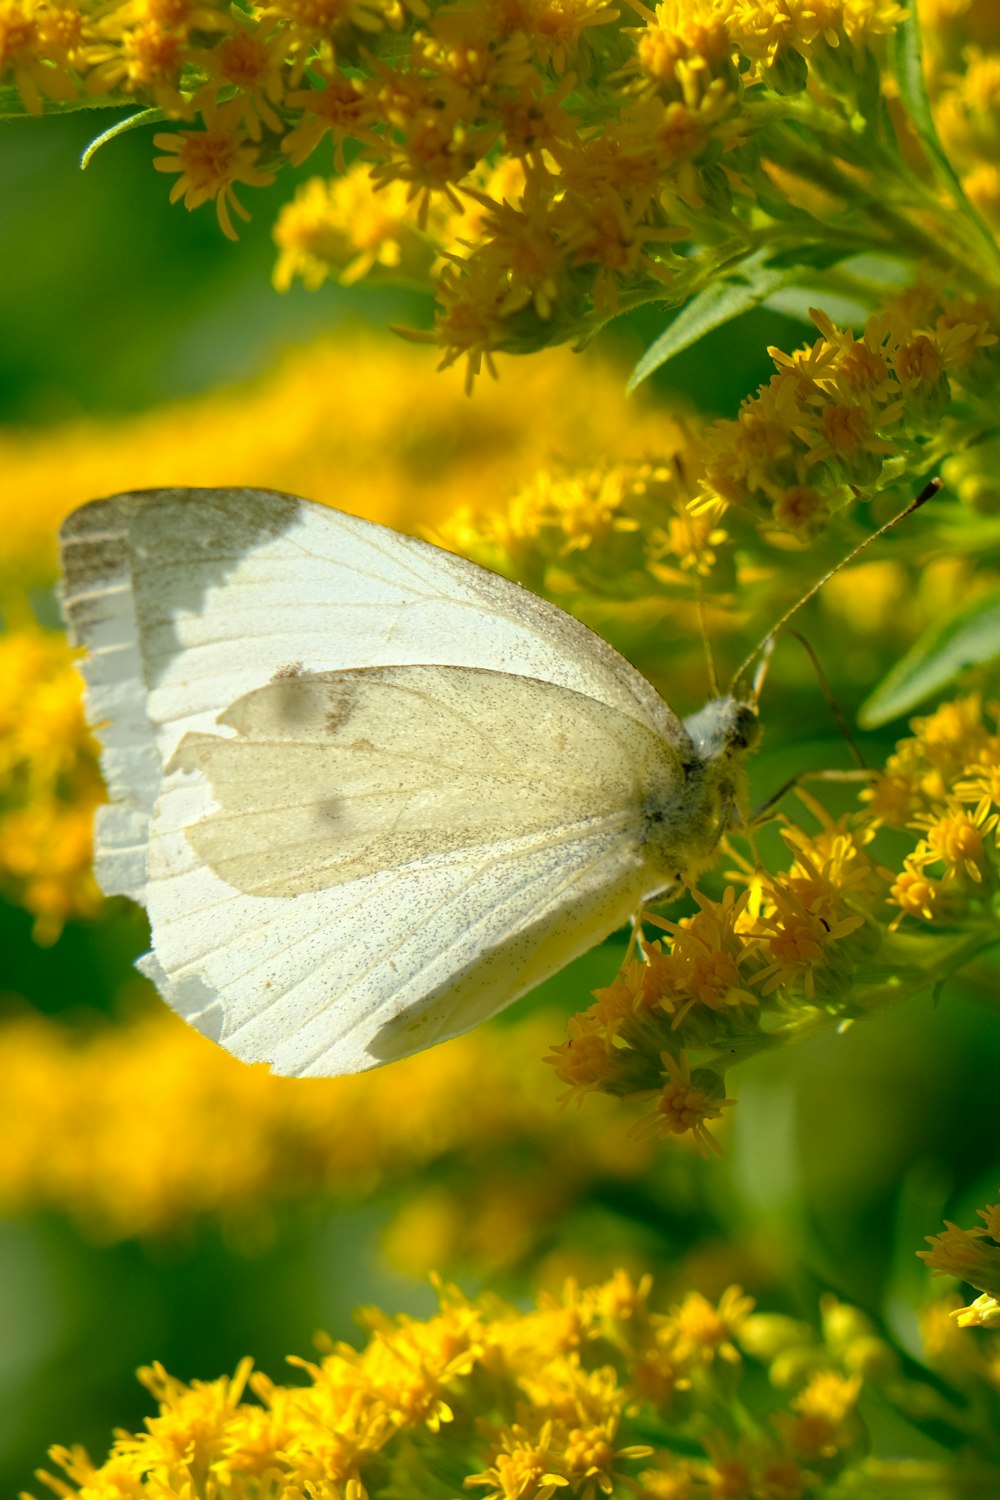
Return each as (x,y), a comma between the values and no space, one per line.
(368,792)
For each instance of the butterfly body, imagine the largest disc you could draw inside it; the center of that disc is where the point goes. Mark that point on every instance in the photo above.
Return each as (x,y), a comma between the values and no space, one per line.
(684,828)
(368,792)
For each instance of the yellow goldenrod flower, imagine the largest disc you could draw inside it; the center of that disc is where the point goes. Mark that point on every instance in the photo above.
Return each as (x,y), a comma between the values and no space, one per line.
(913,892)
(540,1403)
(340,106)
(685,47)
(795,939)
(961,1252)
(954,838)
(817,945)
(212,161)
(700,1332)
(522,1467)
(248,61)
(39,44)
(585,1062)
(684,1105)
(49,782)
(825,1422)
(346,229)
(972,1255)
(722,124)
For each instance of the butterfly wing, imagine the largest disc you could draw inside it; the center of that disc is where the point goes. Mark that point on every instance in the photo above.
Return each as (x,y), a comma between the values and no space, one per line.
(189,601)
(376,860)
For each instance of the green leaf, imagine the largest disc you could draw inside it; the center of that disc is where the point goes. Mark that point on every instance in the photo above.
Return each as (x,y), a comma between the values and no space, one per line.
(847,290)
(745,287)
(908,66)
(968,638)
(795,302)
(120,127)
(12,105)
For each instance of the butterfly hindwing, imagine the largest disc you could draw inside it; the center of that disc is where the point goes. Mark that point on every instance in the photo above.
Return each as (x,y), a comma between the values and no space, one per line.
(377,860)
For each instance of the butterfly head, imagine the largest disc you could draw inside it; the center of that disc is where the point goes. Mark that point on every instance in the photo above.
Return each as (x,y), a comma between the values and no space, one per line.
(723,727)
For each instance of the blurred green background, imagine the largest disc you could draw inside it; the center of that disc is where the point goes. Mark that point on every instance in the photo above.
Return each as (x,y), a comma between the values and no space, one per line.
(843,1153)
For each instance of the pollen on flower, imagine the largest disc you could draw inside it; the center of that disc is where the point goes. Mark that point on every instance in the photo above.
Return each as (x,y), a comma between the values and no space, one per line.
(585,1062)
(522,1466)
(210,163)
(913,892)
(684,1105)
(954,838)
(796,935)
(705,954)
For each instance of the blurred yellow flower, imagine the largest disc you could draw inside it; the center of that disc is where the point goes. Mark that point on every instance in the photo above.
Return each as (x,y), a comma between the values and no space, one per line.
(143,1128)
(50,783)
(277,432)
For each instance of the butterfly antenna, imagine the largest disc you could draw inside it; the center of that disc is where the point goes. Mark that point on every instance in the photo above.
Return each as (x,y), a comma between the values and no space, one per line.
(713,676)
(832,704)
(766,649)
(929,489)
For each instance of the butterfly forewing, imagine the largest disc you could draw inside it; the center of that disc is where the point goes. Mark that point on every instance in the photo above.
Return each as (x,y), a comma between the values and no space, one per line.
(189,599)
(332,776)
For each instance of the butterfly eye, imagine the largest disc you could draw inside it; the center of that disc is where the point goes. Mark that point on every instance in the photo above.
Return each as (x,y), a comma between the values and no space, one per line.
(746,727)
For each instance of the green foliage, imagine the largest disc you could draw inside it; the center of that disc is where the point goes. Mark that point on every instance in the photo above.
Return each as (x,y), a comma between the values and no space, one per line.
(970,637)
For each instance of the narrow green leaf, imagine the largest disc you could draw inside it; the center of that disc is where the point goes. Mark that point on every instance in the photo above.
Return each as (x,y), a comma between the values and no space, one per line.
(908,66)
(795,302)
(12,105)
(745,287)
(120,127)
(968,638)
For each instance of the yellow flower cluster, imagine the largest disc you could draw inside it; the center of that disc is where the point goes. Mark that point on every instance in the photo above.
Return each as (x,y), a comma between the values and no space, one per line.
(973,1255)
(590,1393)
(842,416)
(50,783)
(945,784)
(143,1128)
(621,530)
(837,412)
(809,948)
(544,163)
